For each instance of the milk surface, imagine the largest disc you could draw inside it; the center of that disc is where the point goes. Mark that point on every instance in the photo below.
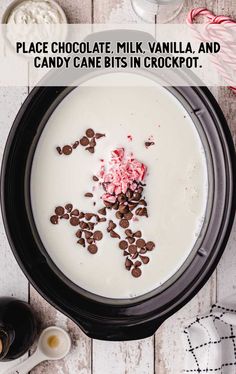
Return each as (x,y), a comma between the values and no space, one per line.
(176,182)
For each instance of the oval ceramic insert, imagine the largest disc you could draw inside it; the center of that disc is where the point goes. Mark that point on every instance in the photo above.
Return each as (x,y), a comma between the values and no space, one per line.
(130,116)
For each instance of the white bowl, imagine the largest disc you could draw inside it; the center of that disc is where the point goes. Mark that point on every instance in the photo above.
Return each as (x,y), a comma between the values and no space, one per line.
(15,3)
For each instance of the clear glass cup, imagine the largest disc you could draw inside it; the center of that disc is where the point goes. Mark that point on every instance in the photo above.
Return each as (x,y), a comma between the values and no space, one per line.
(160,11)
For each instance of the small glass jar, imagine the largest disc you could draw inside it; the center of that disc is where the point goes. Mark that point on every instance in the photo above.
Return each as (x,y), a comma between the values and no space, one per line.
(159,11)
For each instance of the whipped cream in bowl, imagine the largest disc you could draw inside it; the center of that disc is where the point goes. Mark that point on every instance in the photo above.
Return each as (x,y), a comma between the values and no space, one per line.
(34,12)
(34,21)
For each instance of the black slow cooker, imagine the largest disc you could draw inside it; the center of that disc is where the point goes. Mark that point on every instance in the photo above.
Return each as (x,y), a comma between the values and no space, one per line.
(99,317)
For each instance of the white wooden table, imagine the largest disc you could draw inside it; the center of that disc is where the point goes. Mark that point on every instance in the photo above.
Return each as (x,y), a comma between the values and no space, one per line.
(162,353)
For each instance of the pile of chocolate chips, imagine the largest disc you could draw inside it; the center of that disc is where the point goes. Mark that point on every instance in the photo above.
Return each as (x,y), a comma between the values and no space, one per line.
(128,204)
(127,207)
(134,247)
(88,141)
(86,235)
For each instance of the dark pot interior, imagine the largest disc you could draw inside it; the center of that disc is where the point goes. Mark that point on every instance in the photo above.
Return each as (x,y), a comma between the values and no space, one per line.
(100,317)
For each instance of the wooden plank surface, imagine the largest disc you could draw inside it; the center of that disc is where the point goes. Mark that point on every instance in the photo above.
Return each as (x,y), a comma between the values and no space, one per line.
(12,280)
(226,275)
(162,354)
(221,283)
(79,360)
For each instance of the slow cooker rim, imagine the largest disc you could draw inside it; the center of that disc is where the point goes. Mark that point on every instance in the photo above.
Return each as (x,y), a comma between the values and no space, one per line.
(21,262)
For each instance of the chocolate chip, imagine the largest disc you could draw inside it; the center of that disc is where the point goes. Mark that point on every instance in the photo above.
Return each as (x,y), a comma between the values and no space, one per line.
(81,242)
(123,245)
(148,144)
(140,190)
(119,215)
(130,240)
(136,272)
(90,133)
(132,205)
(67,149)
(81,215)
(144,212)
(54,219)
(128,232)
(92,248)
(144,259)
(88,216)
(132,249)
(138,234)
(124,223)
(107,204)
(88,194)
(115,205)
(128,264)
(91,225)
(114,234)
(111,226)
(97,235)
(98,135)
(129,193)
(123,208)
(78,233)
(138,211)
(83,225)
(102,211)
(150,246)
(121,198)
(92,142)
(126,253)
(90,240)
(95,179)
(84,141)
(128,215)
(59,211)
(74,221)
(75,212)
(140,243)
(103,219)
(59,150)
(134,256)
(87,234)
(69,207)
(75,145)
(143,250)
(143,202)
(90,149)
(137,264)
(141,212)
(65,216)
(136,196)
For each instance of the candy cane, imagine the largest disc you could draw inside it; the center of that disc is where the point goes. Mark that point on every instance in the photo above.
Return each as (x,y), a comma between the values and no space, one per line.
(212,19)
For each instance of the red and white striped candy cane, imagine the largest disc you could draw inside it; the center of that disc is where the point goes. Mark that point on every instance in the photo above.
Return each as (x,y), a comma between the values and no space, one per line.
(212,19)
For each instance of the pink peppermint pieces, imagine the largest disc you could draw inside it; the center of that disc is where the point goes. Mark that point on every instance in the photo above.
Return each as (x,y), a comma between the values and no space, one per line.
(124,172)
